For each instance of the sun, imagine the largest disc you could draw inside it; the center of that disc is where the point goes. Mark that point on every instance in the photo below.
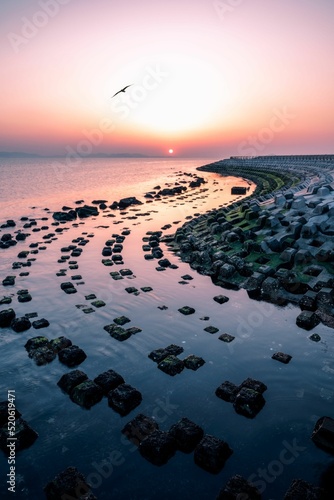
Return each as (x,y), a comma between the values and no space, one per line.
(171,151)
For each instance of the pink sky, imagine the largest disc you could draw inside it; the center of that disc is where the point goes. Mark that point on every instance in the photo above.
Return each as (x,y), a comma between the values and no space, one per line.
(209,78)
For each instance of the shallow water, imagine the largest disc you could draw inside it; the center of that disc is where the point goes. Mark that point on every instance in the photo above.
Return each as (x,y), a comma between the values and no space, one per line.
(298,393)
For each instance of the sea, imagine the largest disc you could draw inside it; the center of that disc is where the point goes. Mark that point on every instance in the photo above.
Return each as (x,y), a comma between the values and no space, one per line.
(270,450)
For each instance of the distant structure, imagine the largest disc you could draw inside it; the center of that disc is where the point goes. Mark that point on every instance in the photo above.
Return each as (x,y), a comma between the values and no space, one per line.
(289,158)
(238,190)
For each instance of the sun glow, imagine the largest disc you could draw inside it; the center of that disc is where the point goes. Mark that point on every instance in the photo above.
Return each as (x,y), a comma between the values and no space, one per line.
(171,151)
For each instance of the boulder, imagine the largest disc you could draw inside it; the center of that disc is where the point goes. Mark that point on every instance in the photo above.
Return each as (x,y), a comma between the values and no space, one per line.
(171,365)
(72,356)
(193,362)
(20,324)
(108,381)
(301,490)
(86,211)
(283,358)
(225,337)
(70,380)
(186,310)
(227,391)
(307,320)
(86,394)
(60,343)
(323,434)
(187,435)
(238,488)
(117,332)
(40,323)
(124,399)
(70,483)
(6,317)
(248,402)
(139,428)
(158,447)
(308,301)
(127,202)
(221,299)
(159,354)
(211,454)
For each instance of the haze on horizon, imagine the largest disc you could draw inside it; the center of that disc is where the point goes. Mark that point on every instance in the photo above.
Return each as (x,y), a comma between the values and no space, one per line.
(210,78)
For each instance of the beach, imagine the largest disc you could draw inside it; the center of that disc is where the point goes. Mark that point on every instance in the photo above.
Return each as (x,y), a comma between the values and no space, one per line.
(67,271)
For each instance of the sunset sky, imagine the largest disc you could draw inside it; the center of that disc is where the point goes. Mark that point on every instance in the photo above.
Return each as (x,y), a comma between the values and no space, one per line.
(209,78)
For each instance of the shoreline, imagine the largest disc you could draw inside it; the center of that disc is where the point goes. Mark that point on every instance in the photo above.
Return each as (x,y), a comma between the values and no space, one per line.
(275,243)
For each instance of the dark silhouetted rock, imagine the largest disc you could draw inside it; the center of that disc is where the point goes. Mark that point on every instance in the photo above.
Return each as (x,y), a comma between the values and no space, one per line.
(158,447)
(6,317)
(60,343)
(171,365)
(186,310)
(117,332)
(72,356)
(20,324)
(127,202)
(315,337)
(122,320)
(307,320)
(301,490)
(70,380)
(221,299)
(238,488)
(193,362)
(86,394)
(108,381)
(86,211)
(211,454)
(69,484)
(256,385)
(124,399)
(187,435)
(248,402)
(40,323)
(227,391)
(211,329)
(323,434)
(9,281)
(159,354)
(283,358)
(225,337)
(139,428)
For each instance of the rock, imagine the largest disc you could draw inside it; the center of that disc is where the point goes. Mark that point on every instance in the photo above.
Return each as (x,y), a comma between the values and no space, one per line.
(72,356)
(160,354)
(70,484)
(315,337)
(225,337)
(6,317)
(187,435)
(146,289)
(211,454)
(86,394)
(108,381)
(186,310)
(5,300)
(9,281)
(117,332)
(86,211)
(42,355)
(211,329)
(139,428)
(20,324)
(121,320)
(60,343)
(131,289)
(221,299)
(307,320)
(248,402)
(193,362)
(256,385)
(283,358)
(24,297)
(158,447)
(70,380)
(164,263)
(124,399)
(301,490)
(127,202)
(24,434)
(227,391)
(98,303)
(40,323)
(308,301)
(171,365)
(238,488)
(65,216)
(323,434)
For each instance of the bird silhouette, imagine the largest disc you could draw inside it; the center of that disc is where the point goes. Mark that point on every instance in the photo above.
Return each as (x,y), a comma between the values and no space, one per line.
(123,90)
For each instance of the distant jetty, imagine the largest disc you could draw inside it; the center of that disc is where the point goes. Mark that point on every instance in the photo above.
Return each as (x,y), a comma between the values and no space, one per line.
(276,243)
(238,190)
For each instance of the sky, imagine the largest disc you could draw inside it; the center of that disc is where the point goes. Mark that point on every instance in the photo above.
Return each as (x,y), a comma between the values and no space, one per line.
(208,78)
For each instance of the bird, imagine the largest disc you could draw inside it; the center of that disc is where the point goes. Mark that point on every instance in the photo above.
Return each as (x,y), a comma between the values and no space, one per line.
(123,90)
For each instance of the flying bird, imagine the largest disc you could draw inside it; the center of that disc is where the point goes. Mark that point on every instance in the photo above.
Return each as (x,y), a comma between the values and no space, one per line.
(123,90)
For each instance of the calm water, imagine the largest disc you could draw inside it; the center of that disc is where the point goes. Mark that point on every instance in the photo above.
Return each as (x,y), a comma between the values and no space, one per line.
(298,393)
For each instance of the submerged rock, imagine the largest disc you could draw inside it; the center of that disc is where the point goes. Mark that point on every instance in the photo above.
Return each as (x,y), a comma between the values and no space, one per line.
(221,299)
(86,394)
(108,381)
(158,447)
(6,317)
(227,391)
(301,490)
(238,488)
(40,323)
(211,454)
(225,337)
(323,434)
(72,356)
(68,484)
(248,402)
(20,324)
(171,365)
(70,380)
(124,399)
(193,362)
(117,332)
(186,310)
(187,435)
(283,358)
(139,428)
(307,320)
(159,354)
